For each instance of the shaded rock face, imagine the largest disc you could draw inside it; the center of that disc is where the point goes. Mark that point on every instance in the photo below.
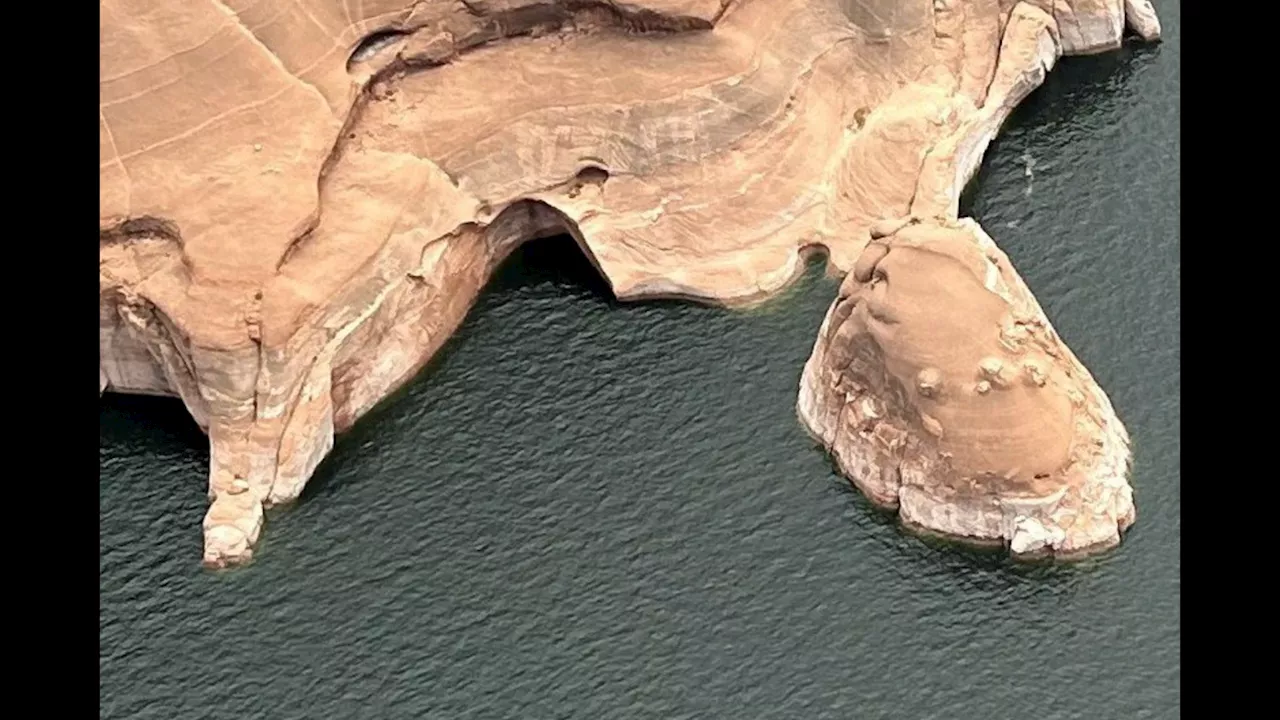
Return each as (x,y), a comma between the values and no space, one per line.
(300,201)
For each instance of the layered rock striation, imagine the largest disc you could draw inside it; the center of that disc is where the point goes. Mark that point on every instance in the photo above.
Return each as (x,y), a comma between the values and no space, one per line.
(300,201)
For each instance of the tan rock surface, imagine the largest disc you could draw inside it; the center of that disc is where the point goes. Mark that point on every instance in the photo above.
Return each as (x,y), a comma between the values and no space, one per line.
(943,391)
(300,200)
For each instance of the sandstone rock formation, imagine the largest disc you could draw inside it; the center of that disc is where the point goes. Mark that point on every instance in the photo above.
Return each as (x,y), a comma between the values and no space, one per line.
(943,392)
(300,200)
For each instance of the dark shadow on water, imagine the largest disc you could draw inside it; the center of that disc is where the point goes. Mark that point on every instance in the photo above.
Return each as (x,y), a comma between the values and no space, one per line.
(144,420)
(556,261)
(151,451)
(557,264)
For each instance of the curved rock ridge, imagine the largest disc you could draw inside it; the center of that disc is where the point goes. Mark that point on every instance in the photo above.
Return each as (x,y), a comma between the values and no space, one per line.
(300,200)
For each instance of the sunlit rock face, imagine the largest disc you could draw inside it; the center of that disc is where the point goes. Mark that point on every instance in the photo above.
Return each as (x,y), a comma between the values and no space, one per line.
(943,392)
(300,200)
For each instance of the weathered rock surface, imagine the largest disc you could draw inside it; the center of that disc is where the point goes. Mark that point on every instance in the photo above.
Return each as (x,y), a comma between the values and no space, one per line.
(943,391)
(300,200)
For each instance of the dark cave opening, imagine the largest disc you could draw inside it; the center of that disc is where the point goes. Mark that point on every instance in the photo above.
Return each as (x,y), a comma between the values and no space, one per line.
(557,260)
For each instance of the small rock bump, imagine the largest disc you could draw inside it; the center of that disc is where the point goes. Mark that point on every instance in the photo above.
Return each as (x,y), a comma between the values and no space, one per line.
(929,382)
(867,261)
(238,486)
(931,425)
(982,388)
(1013,336)
(991,367)
(1035,373)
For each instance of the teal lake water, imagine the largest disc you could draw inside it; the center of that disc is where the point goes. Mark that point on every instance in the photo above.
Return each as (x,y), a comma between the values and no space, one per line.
(585,509)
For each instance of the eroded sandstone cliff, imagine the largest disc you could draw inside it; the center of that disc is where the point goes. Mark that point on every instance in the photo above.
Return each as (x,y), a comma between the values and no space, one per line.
(300,201)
